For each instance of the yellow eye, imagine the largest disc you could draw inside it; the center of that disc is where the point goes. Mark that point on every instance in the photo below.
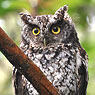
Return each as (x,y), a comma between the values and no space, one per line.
(36,31)
(56,30)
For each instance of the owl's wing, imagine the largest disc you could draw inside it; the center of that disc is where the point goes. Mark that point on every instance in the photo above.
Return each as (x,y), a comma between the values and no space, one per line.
(83,72)
(19,83)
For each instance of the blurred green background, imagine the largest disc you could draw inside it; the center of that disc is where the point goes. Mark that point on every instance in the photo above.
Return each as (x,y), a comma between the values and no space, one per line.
(82,13)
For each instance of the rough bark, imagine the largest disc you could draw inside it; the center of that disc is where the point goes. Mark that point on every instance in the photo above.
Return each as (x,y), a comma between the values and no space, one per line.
(18,59)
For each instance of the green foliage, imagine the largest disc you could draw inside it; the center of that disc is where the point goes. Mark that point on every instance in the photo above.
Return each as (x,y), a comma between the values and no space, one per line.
(7,6)
(79,10)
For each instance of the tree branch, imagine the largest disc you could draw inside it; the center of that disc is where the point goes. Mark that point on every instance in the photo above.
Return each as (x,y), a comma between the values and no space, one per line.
(18,59)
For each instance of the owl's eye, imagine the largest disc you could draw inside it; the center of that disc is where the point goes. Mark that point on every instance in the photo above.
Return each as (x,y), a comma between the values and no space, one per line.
(56,30)
(36,31)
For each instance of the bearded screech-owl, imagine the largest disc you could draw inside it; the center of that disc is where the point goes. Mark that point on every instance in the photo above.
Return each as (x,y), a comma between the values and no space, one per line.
(51,42)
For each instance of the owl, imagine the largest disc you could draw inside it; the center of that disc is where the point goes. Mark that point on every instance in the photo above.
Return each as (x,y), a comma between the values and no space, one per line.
(51,42)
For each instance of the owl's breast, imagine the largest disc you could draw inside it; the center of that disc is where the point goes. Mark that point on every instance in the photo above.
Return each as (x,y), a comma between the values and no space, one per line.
(59,66)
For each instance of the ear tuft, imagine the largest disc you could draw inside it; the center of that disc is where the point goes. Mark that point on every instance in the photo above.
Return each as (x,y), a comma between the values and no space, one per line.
(25,17)
(65,8)
(61,12)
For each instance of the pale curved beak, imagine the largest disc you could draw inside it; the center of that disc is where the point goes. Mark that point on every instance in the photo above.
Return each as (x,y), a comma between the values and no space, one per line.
(44,42)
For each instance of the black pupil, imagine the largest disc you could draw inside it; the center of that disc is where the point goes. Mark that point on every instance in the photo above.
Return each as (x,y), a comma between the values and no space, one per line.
(36,31)
(55,29)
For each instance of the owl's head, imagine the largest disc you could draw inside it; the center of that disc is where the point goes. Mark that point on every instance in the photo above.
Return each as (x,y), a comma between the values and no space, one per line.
(47,30)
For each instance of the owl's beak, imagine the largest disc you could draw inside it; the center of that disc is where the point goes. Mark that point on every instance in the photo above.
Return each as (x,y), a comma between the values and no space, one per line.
(44,42)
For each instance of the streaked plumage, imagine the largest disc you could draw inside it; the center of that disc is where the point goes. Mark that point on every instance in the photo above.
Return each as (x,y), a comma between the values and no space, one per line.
(51,42)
